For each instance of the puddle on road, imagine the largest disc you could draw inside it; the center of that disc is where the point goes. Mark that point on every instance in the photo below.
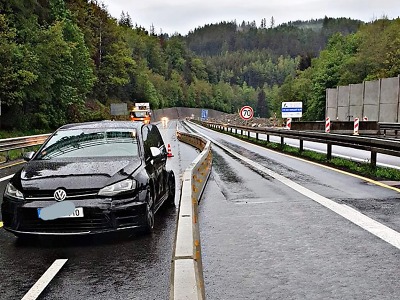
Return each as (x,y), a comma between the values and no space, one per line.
(231,185)
(226,173)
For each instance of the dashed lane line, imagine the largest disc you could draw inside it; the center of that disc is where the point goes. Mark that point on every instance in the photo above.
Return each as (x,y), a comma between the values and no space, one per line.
(44,281)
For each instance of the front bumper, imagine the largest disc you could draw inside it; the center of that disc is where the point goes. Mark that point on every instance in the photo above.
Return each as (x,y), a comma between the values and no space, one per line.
(100,216)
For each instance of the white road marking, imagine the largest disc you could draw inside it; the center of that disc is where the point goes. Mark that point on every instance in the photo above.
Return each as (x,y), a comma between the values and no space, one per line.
(383,232)
(43,281)
(6,178)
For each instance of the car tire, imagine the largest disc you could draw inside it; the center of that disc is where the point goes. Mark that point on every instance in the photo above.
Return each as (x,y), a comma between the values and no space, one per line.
(171,189)
(149,217)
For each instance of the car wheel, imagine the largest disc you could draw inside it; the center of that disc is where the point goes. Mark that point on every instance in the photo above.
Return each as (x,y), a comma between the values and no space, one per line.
(171,189)
(149,218)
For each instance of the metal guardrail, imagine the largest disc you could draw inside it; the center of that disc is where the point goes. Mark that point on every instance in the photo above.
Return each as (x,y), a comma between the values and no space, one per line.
(374,145)
(9,144)
(389,126)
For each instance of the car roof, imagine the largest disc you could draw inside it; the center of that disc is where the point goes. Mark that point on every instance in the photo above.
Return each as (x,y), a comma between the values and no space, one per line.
(106,124)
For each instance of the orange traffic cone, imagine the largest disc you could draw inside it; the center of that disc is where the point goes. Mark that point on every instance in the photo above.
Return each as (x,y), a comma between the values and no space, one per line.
(169,151)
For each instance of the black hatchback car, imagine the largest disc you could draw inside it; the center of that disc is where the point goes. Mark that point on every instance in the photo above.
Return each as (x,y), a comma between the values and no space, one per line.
(91,178)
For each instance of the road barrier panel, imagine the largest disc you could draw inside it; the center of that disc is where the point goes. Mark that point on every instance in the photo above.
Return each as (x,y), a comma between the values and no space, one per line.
(289,123)
(328,125)
(356,126)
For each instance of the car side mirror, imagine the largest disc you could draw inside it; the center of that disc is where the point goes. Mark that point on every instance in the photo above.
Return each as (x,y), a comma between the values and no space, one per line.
(28,155)
(155,151)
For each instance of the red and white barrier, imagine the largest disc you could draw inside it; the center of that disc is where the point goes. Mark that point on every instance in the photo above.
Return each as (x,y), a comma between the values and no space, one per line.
(328,125)
(356,125)
(289,123)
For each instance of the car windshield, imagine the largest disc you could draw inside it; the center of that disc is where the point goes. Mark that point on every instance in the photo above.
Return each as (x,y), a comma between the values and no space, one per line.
(90,143)
(138,114)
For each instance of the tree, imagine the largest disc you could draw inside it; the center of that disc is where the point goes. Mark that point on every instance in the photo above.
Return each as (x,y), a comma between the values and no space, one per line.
(272,22)
(262,108)
(125,20)
(17,67)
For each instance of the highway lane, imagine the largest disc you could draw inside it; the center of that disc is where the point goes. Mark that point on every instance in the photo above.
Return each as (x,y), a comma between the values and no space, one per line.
(123,266)
(263,239)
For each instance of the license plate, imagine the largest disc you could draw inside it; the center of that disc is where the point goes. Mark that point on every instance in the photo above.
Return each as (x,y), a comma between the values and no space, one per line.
(78,213)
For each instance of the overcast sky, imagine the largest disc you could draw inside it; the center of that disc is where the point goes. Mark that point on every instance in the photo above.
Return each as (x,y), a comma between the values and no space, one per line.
(181,16)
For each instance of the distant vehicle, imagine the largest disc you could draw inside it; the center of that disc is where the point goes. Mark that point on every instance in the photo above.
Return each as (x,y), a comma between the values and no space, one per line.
(141,112)
(90,178)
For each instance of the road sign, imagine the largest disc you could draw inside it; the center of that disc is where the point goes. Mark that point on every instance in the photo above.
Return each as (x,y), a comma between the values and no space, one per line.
(119,109)
(246,113)
(292,109)
(204,114)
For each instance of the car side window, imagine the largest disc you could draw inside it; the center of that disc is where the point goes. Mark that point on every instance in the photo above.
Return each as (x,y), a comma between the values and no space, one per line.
(158,140)
(146,141)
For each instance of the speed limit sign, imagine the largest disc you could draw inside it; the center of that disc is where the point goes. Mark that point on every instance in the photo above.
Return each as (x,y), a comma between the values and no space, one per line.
(246,113)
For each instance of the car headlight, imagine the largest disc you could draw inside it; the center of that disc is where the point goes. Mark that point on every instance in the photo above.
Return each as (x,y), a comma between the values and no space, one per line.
(119,187)
(11,191)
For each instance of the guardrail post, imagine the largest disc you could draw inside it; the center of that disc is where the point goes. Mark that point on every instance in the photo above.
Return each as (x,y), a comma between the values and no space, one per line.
(329,151)
(241,132)
(373,158)
(282,141)
(301,148)
(248,134)
(256,135)
(235,130)
(267,138)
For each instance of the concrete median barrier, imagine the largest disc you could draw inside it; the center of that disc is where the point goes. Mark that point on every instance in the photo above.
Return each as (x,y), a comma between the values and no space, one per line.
(187,271)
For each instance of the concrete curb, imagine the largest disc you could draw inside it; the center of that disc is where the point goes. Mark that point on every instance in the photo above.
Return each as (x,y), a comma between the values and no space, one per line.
(187,271)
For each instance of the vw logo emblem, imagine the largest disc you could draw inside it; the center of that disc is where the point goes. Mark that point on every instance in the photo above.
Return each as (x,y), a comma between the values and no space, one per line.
(60,195)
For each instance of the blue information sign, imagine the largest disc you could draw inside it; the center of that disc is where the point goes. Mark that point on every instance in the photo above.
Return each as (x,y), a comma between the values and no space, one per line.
(204,114)
(292,109)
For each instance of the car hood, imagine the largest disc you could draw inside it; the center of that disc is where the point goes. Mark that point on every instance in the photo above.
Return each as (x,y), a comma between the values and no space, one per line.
(77,175)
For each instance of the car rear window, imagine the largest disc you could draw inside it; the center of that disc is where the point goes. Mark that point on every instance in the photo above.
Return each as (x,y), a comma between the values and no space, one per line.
(90,143)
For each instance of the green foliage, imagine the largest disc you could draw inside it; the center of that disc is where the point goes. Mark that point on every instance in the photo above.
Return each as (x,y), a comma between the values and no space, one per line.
(17,65)
(65,61)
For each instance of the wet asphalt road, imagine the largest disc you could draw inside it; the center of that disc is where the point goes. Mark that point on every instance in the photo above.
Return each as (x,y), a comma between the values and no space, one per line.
(123,266)
(260,240)
(263,240)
